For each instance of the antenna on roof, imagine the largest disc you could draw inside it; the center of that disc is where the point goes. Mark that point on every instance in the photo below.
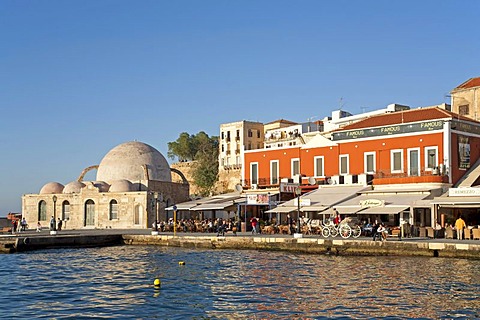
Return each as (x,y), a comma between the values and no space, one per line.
(340,103)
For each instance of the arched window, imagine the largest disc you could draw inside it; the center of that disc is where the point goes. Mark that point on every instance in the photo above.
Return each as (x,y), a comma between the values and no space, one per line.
(89,213)
(113,209)
(42,211)
(65,210)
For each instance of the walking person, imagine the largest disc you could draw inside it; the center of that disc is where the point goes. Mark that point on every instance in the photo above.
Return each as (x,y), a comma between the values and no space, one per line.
(59,224)
(254,222)
(290,223)
(52,224)
(39,226)
(460,225)
(24,224)
(14,225)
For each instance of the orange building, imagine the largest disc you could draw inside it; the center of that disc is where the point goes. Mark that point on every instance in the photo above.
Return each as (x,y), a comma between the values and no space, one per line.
(430,147)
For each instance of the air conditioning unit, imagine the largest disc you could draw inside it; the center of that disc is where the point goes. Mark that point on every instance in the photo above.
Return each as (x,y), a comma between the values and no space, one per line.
(334,180)
(254,186)
(297,179)
(348,179)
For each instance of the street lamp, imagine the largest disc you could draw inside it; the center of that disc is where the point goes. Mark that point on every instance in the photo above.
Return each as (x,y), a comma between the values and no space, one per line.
(298,192)
(54,214)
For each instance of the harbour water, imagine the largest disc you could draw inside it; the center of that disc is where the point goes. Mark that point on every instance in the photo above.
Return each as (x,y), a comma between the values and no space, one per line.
(117,283)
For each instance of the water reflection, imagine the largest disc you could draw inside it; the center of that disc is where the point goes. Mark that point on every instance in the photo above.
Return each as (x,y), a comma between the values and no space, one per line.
(117,282)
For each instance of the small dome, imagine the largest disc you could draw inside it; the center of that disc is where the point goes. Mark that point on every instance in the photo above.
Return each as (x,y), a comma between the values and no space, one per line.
(101,185)
(121,186)
(73,187)
(134,161)
(52,187)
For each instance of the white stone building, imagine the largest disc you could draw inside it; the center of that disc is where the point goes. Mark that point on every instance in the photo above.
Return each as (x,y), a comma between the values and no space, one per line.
(133,187)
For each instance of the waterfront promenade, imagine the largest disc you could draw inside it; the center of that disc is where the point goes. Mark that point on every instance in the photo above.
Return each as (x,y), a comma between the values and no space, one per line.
(308,244)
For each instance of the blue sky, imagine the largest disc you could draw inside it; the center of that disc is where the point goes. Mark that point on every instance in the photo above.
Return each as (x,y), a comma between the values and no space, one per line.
(78,78)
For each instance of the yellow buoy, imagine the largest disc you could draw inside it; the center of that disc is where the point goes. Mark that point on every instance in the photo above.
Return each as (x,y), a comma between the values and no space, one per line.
(181,263)
(156,283)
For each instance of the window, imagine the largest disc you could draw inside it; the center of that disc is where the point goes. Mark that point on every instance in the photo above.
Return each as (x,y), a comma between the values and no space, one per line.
(274,172)
(463,110)
(344,168)
(42,211)
(369,162)
(238,160)
(113,209)
(431,158)
(250,134)
(223,135)
(414,162)
(396,161)
(223,147)
(65,210)
(258,134)
(254,172)
(295,169)
(318,166)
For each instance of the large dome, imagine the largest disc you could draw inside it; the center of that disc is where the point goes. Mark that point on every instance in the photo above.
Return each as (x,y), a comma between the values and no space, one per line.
(127,161)
(52,187)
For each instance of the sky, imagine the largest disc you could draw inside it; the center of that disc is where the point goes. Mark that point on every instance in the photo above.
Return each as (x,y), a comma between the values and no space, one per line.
(78,78)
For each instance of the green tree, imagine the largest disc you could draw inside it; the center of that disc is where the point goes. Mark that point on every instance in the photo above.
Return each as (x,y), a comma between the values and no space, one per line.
(182,148)
(203,150)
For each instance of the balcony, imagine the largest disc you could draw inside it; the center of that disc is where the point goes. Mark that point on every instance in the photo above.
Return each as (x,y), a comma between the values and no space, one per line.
(423,176)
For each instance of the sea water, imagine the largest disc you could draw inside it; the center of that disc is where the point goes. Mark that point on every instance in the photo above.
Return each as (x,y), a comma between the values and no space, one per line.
(118,283)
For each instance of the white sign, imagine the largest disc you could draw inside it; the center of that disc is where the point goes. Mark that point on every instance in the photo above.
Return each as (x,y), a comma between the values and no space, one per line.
(303,202)
(464,192)
(369,203)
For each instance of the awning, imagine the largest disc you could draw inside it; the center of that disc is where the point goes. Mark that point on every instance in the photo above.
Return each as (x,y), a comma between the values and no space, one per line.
(282,209)
(348,209)
(384,210)
(456,201)
(322,198)
(380,203)
(213,206)
(219,202)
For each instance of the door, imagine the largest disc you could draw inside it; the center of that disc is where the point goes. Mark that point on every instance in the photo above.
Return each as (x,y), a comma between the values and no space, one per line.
(413,162)
(138,215)
(89,213)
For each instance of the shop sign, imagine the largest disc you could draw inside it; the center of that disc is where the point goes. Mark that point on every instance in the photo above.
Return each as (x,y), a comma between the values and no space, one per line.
(388,130)
(288,187)
(464,192)
(257,199)
(369,203)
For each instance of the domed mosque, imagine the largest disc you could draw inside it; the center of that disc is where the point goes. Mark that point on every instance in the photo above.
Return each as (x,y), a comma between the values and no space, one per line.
(133,187)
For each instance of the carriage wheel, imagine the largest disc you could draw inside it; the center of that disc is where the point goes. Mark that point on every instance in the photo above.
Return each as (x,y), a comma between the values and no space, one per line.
(356,232)
(345,231)
(333,231)
(325,232)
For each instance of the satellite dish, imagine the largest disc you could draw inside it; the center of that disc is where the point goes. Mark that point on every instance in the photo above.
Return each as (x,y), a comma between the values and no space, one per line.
(239,188)
(312,181)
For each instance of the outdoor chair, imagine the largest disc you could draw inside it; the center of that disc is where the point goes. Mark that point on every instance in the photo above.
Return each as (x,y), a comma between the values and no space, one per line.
(422,232)
(467,234)
(430,232)
(476,234)
(448,233)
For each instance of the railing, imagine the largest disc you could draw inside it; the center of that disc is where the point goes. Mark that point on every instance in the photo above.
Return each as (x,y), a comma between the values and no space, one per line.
(420,175)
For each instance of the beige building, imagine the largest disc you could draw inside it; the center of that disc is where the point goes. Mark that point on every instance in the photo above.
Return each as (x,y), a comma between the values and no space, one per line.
(466,99)
(235,138)
(133,187)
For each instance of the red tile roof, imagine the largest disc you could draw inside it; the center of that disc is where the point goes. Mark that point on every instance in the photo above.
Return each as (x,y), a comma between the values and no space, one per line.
(415,115)
(470,83)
